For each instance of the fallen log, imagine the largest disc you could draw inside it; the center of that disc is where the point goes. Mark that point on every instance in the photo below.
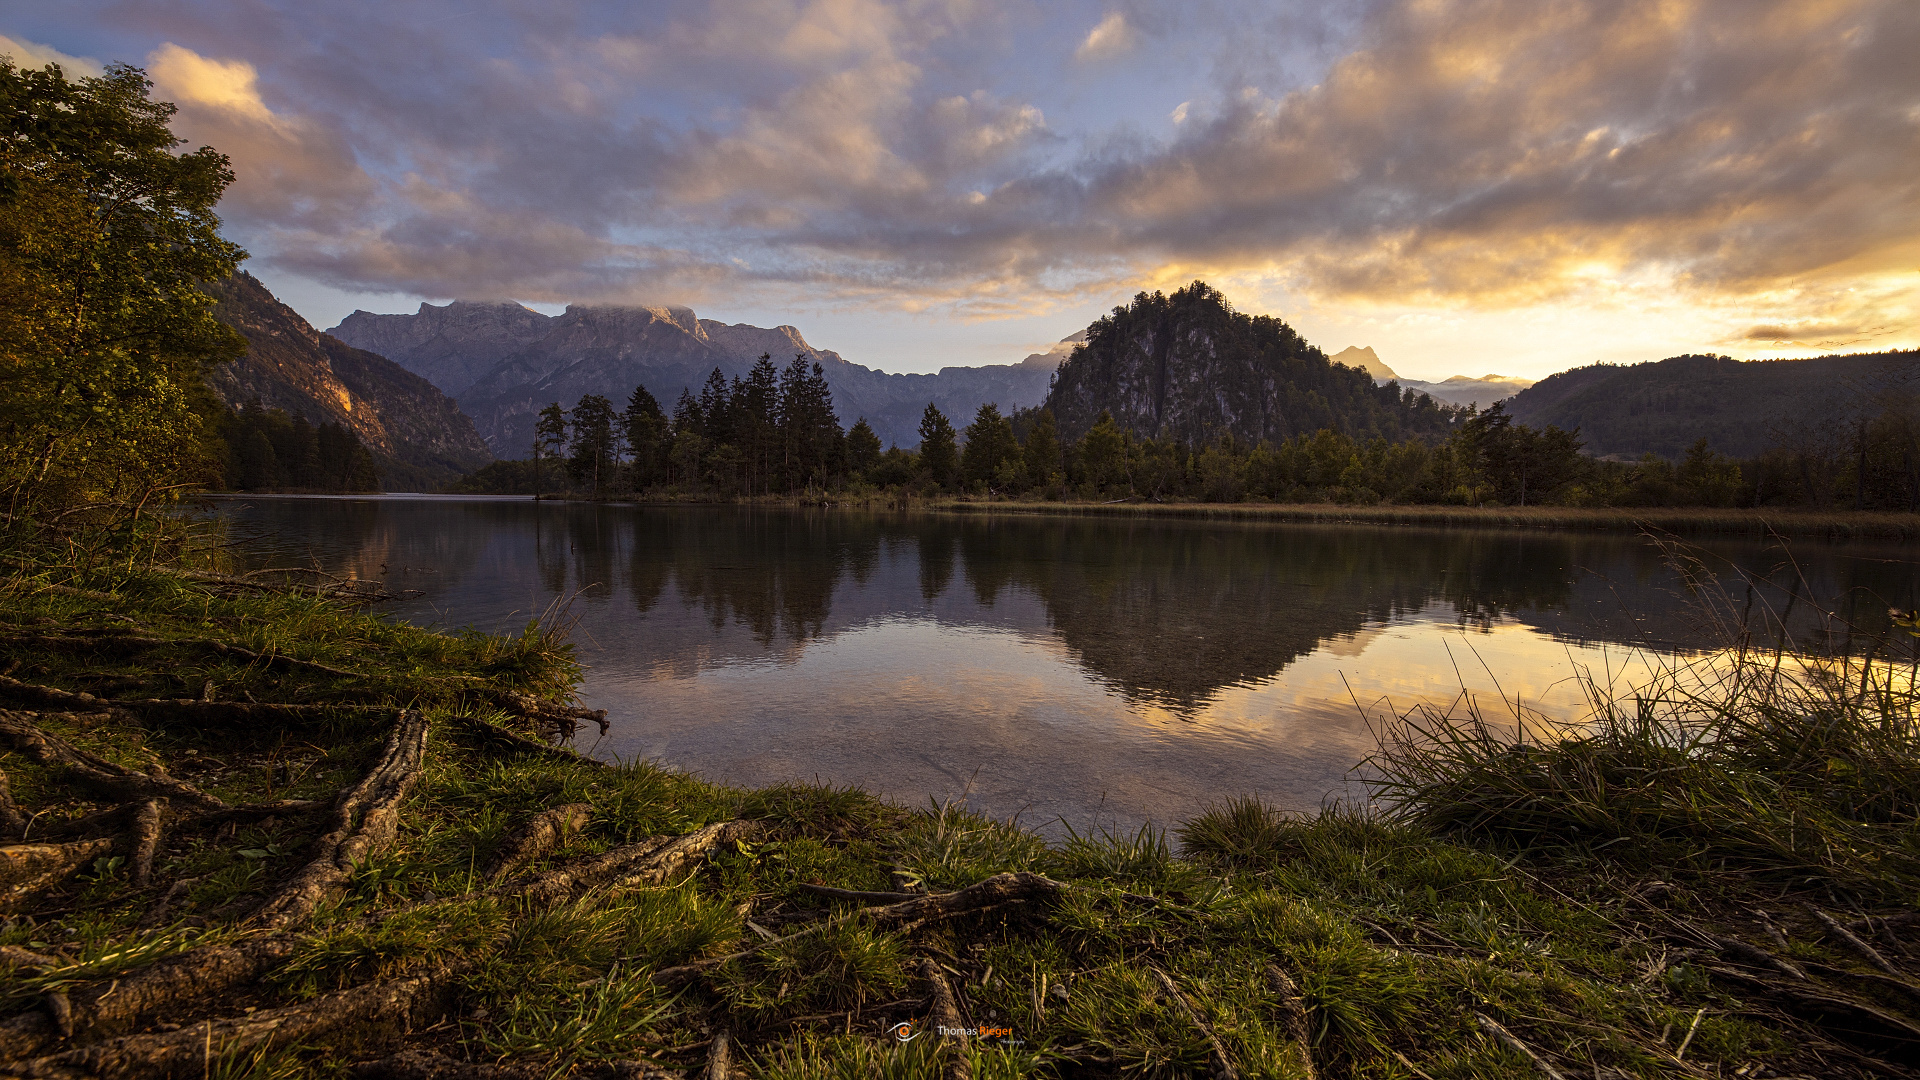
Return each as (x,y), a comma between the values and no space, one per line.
(365,820)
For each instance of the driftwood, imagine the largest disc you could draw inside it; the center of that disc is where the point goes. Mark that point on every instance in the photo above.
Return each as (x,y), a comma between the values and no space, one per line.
(1293,1015)
(562,719)
(1010,888)
(546,831)
(26,869)
(18,732)
(1222,1064)
(949,1022)
(389,1008)
(52,697)
(365,820)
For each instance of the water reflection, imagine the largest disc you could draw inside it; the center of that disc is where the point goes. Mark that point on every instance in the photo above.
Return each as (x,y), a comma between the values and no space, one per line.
(1095,671)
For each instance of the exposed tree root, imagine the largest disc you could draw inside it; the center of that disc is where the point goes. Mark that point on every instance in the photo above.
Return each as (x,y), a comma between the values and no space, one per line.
(720,1056)
(546,831)
(562,719)
(27,869)
(649,862)
(376,1012)
(1010,888)
(13,824)
(1217,1051)
(1293,1015)
(51,697)
(497,736)
(949,1022)
(146,839)
(18,732)
(365,819)
(174,986)
(124,642)
(413,1064)
(1512,1042)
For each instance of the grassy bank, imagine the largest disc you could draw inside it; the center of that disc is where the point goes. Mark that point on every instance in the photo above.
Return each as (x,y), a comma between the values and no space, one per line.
(284,836)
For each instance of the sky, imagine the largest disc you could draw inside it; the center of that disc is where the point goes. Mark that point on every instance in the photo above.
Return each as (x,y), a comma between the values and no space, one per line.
(1470,187)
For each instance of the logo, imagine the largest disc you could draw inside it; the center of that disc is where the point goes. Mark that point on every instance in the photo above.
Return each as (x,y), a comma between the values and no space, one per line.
(904,1031)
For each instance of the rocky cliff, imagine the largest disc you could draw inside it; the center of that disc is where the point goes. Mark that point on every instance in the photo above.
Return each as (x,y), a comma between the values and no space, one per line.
(504,363)
(418,436)
(1189,367)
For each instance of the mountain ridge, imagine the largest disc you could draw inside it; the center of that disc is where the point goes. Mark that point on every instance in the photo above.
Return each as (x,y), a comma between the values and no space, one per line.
(504,362)
(417,435)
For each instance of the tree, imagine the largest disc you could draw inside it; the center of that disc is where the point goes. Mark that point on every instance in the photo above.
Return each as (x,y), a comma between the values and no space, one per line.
(648,441)
(594,446)
(863,447)
(105,236)
(1043,450)
(549,437)
(1103,455)
(813,436)
(758,404)
(990,445)
(938,456)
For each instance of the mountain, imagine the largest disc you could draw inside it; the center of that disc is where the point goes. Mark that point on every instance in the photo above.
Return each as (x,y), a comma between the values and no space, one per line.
(1461,390)
(1739,407)
(504,363)
(417,435)
(1189,367)
(1364,359)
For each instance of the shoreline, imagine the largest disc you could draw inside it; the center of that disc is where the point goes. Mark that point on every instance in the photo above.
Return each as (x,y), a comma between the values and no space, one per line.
(1786,523)
(560,915)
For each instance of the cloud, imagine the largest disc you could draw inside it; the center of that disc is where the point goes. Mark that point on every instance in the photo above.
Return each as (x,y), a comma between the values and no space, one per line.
(26,54)
(1112,37)
(1759,155)
(193,80)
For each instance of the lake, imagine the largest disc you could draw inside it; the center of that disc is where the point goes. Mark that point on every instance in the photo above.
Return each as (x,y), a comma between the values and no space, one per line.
(1074,672)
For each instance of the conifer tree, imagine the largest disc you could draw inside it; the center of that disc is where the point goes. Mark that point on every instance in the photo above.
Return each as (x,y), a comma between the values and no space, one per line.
(938,457)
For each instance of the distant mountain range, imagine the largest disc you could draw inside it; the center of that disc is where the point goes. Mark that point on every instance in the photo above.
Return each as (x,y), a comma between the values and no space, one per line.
(1186,366)
(504,362)
(1458,390)
(418,437)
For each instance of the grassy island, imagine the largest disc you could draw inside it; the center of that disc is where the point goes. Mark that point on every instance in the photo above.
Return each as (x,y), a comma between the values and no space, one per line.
(253,828)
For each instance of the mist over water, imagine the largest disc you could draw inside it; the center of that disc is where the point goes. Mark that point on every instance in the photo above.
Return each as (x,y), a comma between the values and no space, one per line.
(1083,672)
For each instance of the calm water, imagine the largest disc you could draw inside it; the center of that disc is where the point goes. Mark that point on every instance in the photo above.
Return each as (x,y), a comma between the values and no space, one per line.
(1096,673)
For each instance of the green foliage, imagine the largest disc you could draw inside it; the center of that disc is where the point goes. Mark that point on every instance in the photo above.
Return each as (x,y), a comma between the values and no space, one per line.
(594,446)
(993,456)
(269,451)
(863,447)
(105,237)
(939,458)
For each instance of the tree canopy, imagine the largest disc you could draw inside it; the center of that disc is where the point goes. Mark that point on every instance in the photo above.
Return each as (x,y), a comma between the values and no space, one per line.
(106,235)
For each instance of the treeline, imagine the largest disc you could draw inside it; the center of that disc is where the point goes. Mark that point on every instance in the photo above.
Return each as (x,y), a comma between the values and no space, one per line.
(777,434)
(268,450)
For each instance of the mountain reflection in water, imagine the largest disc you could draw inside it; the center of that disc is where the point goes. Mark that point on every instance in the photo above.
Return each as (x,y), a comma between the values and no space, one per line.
(1099,672)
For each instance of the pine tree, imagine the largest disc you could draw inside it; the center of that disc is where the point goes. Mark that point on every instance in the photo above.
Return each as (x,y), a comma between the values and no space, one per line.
(938,457)
(549,439)
(593,448)
(990,444)
(647,438)
(1043,450)
(863,447)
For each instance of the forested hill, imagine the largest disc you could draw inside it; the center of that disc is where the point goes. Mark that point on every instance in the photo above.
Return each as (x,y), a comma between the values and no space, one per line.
(1188,367)
(419,438)
(1742,408)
